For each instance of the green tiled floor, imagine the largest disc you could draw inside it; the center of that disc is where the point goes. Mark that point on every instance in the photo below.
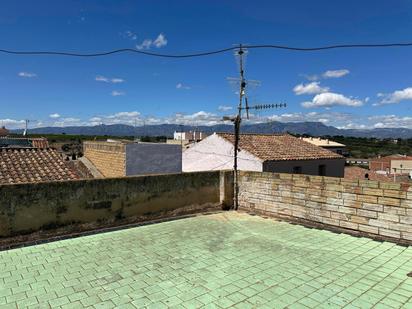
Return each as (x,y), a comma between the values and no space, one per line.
(226,260)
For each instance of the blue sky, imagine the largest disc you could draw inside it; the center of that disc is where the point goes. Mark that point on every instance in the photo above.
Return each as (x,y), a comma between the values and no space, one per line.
(345,88)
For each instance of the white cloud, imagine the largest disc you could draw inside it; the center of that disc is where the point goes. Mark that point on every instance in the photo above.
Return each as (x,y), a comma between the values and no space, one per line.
(395,97)
(198,118)
(391,121)
(329,99)
(12,123)
(116,80)
(130,35)
(27,74)
(55,115)
(335,73)
(310,88)
(133,114)
(116,93)
(160,41)
(69,121)
(146,44)
(181,86)
(224,108)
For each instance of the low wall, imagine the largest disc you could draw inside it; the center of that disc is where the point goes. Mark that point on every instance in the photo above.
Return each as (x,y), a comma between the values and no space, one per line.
(370,208)
(26,208)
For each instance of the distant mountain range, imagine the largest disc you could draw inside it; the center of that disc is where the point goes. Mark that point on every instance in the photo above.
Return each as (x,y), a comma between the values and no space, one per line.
(310,128)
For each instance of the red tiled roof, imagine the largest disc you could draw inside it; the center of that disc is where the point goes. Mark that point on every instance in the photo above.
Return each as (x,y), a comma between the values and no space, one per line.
(355,173)
(40,142)
(33,165)
(280,147)
(390,158)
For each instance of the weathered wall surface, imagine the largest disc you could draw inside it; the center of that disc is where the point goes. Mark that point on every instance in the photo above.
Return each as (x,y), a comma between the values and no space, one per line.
(370,208)
(25,208)
(153,158)
(108,158)
(333,167)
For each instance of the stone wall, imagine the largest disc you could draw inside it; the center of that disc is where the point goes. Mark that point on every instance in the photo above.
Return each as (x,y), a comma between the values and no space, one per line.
(374,209)
(108,158)
(25,208)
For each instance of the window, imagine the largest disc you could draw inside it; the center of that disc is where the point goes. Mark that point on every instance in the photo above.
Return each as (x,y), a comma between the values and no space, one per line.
(322,170)
(297,170)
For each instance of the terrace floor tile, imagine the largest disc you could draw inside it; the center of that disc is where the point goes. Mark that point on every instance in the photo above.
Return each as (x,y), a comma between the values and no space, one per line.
(224,260)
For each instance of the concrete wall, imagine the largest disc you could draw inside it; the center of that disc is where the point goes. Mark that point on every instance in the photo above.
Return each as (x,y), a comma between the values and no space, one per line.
(374,209)
(401,166)
(153,158)
(216,153)
(108,158)
(25,208)
(334,167)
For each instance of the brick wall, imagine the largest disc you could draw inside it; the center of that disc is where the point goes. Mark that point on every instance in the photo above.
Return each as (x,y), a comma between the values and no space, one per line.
(108,158)
(375,209)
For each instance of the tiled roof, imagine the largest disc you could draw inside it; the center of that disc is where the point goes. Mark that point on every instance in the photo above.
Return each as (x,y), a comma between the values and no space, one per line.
(23,142)
(19,165)
(355,173)
(279,147)
(391,157)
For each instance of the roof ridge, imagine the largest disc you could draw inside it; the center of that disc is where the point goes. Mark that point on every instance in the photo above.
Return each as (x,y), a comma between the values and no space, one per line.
(261,134)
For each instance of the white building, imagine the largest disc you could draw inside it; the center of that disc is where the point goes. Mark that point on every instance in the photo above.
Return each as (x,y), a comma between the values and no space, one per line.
(327,144)
(263,152)
(189,136)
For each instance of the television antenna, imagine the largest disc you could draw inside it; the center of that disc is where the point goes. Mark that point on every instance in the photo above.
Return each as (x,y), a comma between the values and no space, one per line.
(242,83)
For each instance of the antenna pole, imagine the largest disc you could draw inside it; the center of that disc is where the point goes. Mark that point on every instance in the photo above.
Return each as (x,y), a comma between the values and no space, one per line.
(237,122)
(238,119)
(26,127)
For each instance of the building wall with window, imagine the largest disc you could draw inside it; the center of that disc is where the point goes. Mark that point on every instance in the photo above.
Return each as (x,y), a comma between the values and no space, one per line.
(322,167)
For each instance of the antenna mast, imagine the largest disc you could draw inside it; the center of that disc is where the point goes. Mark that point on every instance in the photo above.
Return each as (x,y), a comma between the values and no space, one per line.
(238,119)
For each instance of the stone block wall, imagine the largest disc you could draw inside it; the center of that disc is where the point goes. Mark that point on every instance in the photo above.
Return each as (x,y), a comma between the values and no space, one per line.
(27,208)
(375,209)
(108,158)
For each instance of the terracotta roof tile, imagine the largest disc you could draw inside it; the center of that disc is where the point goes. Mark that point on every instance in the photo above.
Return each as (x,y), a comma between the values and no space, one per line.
(20,165)
(19,142)
(355,173)
(280,147)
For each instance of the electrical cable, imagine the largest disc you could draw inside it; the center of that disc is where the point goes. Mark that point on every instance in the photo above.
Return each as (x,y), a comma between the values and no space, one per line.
(205,53)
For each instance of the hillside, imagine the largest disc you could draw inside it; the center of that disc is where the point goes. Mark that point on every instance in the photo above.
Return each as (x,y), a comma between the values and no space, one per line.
(310,128)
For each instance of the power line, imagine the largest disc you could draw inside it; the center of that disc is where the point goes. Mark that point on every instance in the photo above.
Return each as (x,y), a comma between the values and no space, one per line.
(201,54)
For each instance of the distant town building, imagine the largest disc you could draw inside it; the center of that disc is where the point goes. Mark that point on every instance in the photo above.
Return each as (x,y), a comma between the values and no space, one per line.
(190,136)
(281,153)
(21,165)
(393,164)
(357,161)
(121,158)
(327,144)
(186,139)
(23,142)
(4,131)
(359,173)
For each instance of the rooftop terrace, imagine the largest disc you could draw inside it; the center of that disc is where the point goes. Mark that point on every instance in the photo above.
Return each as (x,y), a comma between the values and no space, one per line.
(223,260)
